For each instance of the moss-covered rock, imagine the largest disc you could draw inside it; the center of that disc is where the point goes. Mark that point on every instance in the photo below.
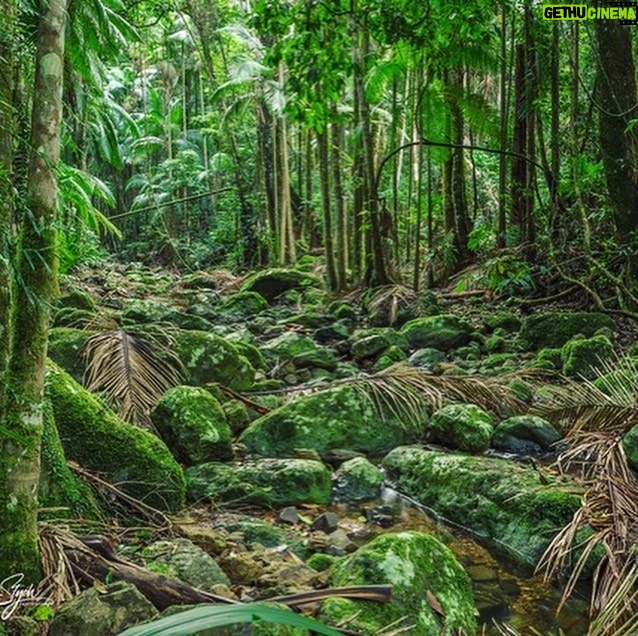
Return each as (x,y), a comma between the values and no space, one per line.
(246,303)
(64,349)
(581,357)
(209,358)
(442,332)
(193,425)
(339,417)
(417,565)
(502,320)
(135,460)
(496,498)
(524,434)
(184,560)
(77,299)
(267,482)
(390,356)
(369,346)
(462,426)
(426,358)
(274,282)
(554,329)
(357,479)
(552,356)
(59,489)
(102,612)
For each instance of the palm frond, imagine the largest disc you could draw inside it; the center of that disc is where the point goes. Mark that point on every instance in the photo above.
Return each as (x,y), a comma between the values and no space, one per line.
(132,377)
(609,403)
(389,299)
(407,392)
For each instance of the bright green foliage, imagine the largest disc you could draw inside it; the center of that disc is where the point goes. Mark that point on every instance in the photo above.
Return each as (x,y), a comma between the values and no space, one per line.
(440,332)
(465,427)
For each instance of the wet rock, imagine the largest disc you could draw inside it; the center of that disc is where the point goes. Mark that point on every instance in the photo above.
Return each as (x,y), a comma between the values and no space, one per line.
(336,456)
(270,483)
(418,566)
(524,434)
(184,560)
(326,522)
(357,480)
(496,498)
(339,543)
(426,358)
(337,418)
(462,426)
(554,329)
(104,612)
(193,425)
(301,350)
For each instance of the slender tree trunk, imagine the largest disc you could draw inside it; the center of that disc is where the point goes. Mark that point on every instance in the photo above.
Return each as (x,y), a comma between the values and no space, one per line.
(22,429)
(502,160)
(341,238)
(324,176)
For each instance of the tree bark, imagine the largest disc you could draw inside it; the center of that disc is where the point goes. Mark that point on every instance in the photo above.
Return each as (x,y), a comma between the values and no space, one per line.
(37,267)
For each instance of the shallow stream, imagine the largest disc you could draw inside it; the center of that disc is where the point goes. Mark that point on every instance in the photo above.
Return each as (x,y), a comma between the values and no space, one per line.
(503,591)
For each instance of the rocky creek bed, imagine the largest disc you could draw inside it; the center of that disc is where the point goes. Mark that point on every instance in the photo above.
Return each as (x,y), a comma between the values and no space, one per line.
(272,415)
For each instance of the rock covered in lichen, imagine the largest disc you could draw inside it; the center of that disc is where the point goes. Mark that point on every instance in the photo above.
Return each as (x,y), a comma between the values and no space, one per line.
(209,358)
(462,426)
(193,425)
(339,417)
(135,460)
(269,483)
(555,328)
(581,357)
(357,479)
(442,332)
(496,498)
(423,573)
(524,434)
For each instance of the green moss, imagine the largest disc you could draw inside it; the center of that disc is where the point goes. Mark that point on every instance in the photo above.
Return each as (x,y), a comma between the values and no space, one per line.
(495,498)
(321,562)
(340,417)
(415,564)
(582,357)
(554,329)
(135,460)
(193,425)
(268,482)
(245,303)
(59,488)
(209,358)
(272,283)
(64,348)
(442,332)
(462,426)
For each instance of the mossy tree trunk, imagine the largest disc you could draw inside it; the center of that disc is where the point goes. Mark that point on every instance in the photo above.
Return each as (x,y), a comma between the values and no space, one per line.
(36,279)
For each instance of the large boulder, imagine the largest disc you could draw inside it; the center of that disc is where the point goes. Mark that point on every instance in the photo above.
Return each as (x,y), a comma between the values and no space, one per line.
(582,356)
(274,282)
(423,573)
(524,434)
(554,329)
(184,560)
(245,303)
(340,417)
(496,498)
(443,332)
(208,358)
(269,483)
(102,611)
(135,460)
(193,425)
(462,426)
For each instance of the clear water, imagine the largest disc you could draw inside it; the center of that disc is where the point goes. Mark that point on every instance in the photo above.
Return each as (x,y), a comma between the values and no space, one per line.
(503,592)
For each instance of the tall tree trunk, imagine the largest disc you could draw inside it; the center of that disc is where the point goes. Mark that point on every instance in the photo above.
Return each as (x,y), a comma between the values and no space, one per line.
(22,430)
(324,177)
(617,82)
(341,238)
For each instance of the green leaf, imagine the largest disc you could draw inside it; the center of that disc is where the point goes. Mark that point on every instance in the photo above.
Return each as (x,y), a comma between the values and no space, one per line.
(206,616)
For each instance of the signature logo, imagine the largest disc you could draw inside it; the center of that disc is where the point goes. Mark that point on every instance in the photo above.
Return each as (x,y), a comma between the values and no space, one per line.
(13,595)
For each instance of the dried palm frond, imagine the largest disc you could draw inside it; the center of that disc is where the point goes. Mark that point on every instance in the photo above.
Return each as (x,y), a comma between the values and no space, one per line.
(608,403)
(408,393)
(132,377)
(58,582)
(389,299)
